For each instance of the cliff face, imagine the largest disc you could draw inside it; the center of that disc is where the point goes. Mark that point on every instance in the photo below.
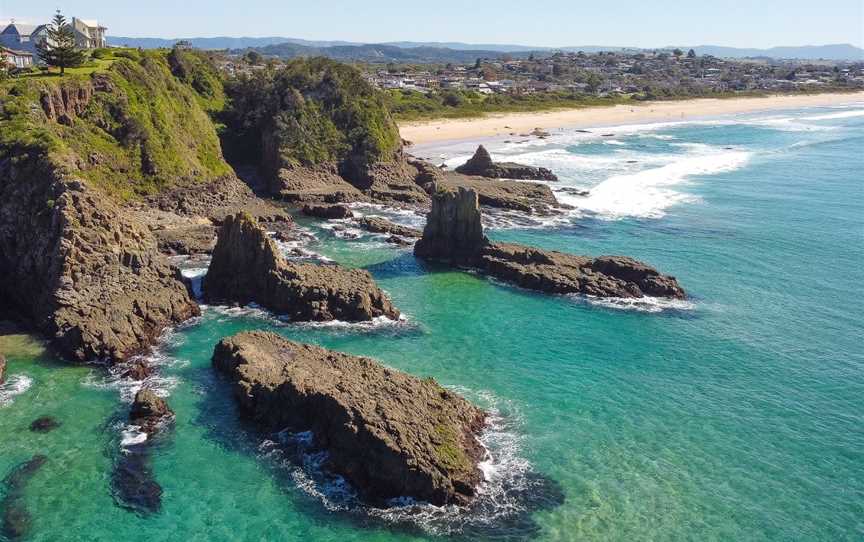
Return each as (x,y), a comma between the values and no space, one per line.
(78,269)
(454,234)
(389,433)
(247,267)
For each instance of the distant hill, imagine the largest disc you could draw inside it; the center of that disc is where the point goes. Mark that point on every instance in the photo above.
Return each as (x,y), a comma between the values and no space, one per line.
(464,52)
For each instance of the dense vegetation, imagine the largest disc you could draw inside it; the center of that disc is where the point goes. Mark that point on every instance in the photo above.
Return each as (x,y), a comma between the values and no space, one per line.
(144,130)
(314,111)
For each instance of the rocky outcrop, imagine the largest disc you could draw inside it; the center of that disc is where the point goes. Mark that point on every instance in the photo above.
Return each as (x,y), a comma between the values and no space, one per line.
(247,267)
(2,369)
(321,183)
(328,212)
(79,269)
(148,411)
(531,198)
(390,434)
(481,165)
(376,224)
(454,234)
(454,231)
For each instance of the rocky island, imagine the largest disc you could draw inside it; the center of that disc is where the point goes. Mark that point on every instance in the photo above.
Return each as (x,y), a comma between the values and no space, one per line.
(454,234)
(481,164)
(248,267)
(390,434)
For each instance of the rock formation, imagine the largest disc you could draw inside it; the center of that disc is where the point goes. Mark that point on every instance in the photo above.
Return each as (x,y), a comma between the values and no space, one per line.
(531,198)
(79,269)
(375,224)
(148,411)
(16,519)
(481,164)
(328,212)
(454,234)
(247,267)
(390,434)
(2,369)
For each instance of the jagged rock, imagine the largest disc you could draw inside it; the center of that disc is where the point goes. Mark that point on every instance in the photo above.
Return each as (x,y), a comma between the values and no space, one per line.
(454,234)
(247,267)
(2,369)
(45,424)
(78,268)
(382,225)
(481,164)
(148,411)
(390,434)
(186,240)
(328,212)
(137,371)
(532,198)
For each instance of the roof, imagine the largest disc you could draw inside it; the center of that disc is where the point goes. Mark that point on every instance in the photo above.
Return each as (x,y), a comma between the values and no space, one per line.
(21,29)
(16,53)
(90,22)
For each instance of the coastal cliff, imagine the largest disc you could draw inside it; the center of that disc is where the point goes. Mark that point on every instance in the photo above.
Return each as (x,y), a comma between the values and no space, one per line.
(454,234)
(247,267)
(390,434)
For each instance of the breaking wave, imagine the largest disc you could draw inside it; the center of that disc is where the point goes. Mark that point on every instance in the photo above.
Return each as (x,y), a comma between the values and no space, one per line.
(641,304)
(14,386)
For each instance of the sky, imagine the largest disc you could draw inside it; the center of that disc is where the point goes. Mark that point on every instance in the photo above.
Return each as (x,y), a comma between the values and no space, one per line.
(550,23)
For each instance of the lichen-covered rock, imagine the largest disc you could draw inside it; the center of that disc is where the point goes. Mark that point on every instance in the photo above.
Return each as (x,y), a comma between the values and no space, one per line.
(454,234)
(481,164)
(247,267)
(390,434)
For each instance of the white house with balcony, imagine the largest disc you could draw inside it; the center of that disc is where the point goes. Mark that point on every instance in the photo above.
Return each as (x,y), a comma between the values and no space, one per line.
(89,34)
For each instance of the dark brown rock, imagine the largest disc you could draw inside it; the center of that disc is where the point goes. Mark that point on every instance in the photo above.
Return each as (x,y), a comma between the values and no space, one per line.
(454,234)
(531,198)
(390,434)
(148,411)
(382,225)
(481,164)
(137,371)
(78,268)
(328,212)
(247,267)
(186,240)
(44,424)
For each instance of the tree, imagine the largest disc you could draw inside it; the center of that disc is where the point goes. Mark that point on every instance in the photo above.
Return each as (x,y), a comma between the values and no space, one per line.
(59,49)
(677,53)
(254,58)
(478,63)
(691,54)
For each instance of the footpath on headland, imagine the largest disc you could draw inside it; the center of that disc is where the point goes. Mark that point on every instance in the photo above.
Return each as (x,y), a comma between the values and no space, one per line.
(503,124)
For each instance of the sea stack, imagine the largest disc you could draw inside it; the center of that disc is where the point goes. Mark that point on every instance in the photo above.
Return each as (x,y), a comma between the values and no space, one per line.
(390,434)
(247,267)
(454,234)
(481,164)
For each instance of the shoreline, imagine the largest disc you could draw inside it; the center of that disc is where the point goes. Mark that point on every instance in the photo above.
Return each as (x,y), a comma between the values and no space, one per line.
(504,124)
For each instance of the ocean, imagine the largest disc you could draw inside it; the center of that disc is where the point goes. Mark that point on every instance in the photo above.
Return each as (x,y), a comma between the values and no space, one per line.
(736,415)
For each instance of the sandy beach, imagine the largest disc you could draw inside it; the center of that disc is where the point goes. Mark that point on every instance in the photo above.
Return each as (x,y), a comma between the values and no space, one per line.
(521,123)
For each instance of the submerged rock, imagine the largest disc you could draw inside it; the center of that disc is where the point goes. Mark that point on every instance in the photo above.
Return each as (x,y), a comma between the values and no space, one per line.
(328,212)
(454,234)
(148,411)
(44,424)
(247,267)
(481,164)
(390,434)
(16,518)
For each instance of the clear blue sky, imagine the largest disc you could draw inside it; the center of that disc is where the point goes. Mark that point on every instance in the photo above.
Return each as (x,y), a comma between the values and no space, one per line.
(642,23)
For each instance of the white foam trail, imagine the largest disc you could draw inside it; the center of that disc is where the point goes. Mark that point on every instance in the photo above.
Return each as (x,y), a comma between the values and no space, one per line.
(840,115)
(648,193)
(641,304)
(254,311)
(131,435)
(14,386)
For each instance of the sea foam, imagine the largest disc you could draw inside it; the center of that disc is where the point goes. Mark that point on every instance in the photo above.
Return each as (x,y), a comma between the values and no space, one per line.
(14,386)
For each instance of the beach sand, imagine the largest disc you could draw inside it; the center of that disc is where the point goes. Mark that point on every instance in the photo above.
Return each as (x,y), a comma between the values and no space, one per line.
(502,124)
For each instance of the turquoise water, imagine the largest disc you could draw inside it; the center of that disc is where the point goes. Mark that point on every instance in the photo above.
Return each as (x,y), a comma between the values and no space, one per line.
(737,416)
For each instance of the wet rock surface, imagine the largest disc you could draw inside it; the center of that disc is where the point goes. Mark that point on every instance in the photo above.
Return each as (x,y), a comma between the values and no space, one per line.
(17,520)
(454,234)
(390,434)
(328,212)
(376,224)
(148,411)
(247,267)
(481,165)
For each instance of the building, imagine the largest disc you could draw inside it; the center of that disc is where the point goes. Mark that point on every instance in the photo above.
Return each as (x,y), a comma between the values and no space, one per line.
(18,59)
(88,33)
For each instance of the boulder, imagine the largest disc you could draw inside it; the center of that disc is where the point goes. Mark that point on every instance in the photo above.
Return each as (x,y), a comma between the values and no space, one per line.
(148,410)
(375,224)
(390,434)
(454,234)
(481,165)
(328,212)
(247,267)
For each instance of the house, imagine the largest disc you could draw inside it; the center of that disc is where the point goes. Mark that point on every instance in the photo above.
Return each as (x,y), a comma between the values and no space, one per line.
(88,33)
(18,59)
